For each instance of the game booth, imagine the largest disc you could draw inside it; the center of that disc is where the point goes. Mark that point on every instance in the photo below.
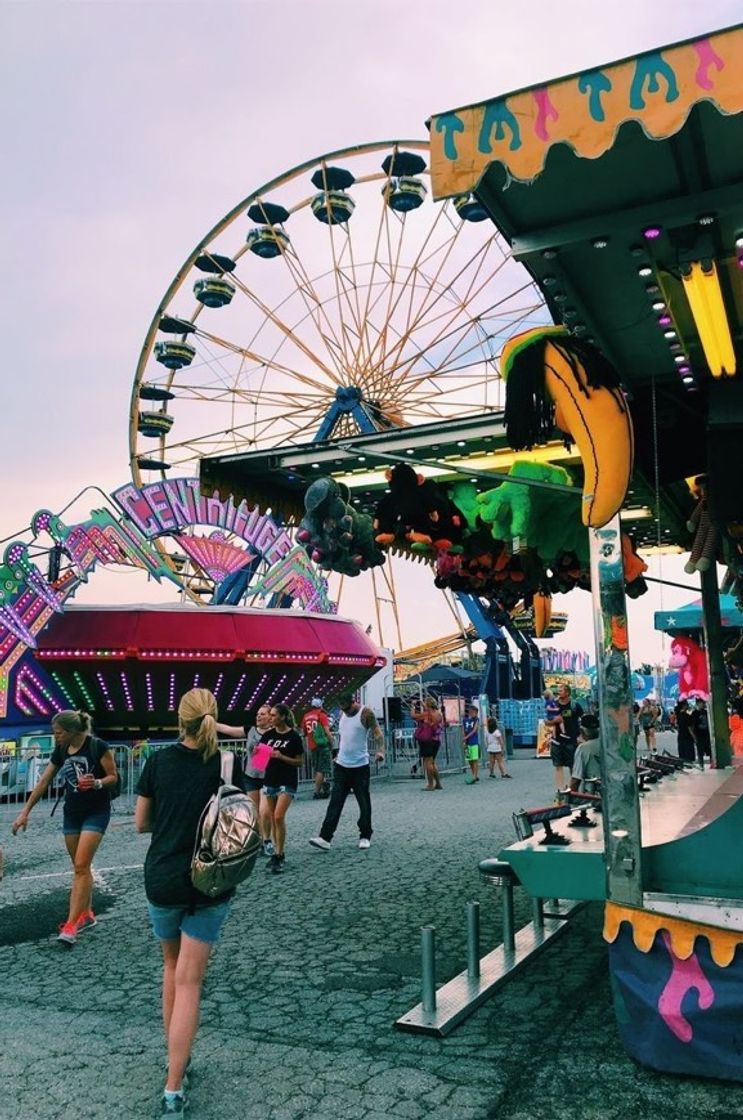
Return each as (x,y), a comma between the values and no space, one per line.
(620,190)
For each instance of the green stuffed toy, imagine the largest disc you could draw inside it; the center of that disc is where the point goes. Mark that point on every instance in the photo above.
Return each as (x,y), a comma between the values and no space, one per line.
(548,523)
(465,498)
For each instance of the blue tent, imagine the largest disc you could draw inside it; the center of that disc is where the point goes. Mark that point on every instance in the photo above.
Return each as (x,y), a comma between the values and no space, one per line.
(689,617)
(643,686)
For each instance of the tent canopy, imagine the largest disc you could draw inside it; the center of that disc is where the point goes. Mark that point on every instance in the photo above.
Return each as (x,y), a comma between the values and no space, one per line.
(466,681)
(689,617)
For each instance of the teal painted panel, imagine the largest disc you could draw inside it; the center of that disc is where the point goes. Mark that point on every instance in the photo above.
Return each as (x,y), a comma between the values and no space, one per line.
(571,872)
(707,863)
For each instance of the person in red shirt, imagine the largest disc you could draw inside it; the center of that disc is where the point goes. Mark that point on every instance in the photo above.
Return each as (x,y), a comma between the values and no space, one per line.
(319,744)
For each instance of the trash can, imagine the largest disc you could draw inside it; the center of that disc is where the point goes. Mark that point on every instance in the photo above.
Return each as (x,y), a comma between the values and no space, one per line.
(509,742)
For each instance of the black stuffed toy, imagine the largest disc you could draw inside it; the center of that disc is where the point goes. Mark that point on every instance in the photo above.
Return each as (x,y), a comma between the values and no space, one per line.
(417,511)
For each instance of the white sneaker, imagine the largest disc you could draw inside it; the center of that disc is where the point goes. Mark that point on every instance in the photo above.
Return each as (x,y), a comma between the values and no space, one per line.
(363,843)
(318,842)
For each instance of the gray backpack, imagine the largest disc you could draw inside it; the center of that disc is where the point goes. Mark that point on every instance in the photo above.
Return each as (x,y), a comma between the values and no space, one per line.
(227,839)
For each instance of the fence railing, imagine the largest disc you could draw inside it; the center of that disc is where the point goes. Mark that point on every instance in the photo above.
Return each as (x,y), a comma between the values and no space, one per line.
(403,753)
(20,770)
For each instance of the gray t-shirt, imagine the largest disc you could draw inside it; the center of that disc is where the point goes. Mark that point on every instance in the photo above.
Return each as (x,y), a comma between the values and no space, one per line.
(587,761)
(252,738)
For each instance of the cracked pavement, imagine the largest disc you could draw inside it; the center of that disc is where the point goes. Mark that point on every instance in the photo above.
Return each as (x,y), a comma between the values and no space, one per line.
(313,968)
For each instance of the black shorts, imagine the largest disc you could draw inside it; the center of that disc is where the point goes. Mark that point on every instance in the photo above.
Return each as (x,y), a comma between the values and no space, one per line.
(428,750)
(562,752)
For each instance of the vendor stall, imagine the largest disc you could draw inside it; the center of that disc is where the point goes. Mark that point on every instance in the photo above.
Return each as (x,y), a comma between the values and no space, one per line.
(620,191)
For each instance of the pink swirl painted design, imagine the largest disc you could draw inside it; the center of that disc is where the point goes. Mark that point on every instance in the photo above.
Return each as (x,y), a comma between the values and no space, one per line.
(685,976)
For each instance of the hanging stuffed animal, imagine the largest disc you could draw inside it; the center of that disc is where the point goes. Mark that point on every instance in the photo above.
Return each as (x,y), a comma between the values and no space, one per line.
(688,658)
(333,534)
(417,511)
(706,537)
(542,610)
(554,380)
(634,568)
(464,496)
(569,572)
(548,522)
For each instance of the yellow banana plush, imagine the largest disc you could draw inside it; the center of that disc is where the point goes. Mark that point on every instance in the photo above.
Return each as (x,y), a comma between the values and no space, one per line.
(556,380)
(542,608)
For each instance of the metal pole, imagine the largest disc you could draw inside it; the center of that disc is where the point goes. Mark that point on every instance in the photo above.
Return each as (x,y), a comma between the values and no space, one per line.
(473,940)
(428,968)
(718,714)
(538,914)
(509,942)
(620,798)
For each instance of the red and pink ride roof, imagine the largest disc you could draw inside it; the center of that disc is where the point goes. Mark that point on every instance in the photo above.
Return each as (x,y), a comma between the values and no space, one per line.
(130,664)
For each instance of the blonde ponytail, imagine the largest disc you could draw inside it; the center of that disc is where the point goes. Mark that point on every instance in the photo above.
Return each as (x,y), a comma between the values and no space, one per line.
(197,719)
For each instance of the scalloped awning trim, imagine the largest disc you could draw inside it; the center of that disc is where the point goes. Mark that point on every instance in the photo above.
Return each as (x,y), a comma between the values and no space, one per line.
(646,923)
(657,89)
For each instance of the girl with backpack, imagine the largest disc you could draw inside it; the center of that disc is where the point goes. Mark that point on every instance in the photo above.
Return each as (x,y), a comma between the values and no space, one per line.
(175,786)
(89,778)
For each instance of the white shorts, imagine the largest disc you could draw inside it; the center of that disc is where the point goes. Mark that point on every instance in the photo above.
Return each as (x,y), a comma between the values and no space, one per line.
(495,750)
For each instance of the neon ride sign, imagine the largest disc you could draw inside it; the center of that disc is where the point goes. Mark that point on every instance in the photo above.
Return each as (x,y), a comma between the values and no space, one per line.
(28,598)
(163,508)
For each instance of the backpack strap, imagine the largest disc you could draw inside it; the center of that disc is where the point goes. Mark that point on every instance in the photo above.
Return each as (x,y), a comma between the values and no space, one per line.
(61,793)
(226,766)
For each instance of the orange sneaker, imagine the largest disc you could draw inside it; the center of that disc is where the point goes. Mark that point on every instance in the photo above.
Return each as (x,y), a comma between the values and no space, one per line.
(67,934)
(86,921)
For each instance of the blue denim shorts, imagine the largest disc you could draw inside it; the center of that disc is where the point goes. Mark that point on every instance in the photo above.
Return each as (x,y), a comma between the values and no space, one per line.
(205,924)
(276,791)
(74,823)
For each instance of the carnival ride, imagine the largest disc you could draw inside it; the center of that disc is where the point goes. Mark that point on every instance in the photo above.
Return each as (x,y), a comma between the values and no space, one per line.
(129,665)
(348,325)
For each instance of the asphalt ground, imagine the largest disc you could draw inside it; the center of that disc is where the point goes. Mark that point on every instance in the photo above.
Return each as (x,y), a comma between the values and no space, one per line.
(312,971)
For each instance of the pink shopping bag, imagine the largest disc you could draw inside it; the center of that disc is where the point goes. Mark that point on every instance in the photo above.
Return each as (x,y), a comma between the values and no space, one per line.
(260,757)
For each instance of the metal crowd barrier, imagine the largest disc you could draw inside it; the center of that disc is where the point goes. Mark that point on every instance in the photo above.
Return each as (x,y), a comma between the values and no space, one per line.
(403,757)
(20,770)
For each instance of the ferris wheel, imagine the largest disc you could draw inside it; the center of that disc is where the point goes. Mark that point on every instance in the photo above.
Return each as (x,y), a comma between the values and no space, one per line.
(336,299)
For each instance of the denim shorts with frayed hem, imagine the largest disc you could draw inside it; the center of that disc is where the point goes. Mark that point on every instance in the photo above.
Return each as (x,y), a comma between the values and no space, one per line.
(74,823)
(205,924)
(276,791)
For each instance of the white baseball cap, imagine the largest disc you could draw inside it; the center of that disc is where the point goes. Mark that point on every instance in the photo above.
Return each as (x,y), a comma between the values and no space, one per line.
(316,702)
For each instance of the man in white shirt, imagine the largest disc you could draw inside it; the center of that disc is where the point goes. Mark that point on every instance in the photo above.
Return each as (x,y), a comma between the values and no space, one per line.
(351,771)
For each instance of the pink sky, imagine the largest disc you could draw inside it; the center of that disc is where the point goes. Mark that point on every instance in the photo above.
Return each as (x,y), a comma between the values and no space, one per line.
(135,126)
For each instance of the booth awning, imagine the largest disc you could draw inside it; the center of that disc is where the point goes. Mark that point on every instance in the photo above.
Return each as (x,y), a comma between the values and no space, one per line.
(656,90)
(690,616)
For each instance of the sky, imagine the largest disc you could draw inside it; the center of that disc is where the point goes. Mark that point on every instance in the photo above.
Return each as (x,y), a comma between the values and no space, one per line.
(133,127)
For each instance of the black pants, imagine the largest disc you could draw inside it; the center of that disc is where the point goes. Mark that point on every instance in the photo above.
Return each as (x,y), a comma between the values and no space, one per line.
(704,747)
(347,780)
(685,748)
